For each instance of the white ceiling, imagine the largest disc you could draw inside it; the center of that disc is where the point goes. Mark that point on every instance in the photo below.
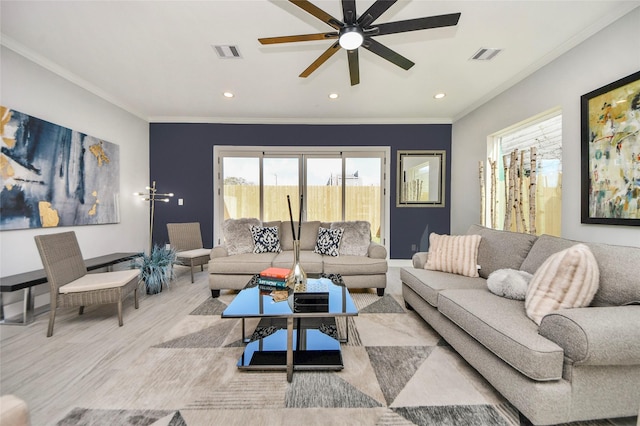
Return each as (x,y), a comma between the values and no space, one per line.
(156,60)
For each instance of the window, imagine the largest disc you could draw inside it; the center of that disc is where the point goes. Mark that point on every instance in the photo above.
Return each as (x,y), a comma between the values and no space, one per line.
(336,186)
(524,171)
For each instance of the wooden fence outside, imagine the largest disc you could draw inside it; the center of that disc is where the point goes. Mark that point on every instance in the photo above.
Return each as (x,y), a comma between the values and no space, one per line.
(548,206)
(323,203)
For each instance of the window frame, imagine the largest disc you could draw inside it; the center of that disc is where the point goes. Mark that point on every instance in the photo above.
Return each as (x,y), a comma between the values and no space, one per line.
(261,152)
(493,151)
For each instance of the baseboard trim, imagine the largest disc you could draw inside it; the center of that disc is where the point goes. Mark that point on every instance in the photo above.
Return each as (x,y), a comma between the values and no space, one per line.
(400,263)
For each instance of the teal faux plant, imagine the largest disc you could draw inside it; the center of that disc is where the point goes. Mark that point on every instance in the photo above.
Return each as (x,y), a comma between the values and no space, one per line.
(156,269)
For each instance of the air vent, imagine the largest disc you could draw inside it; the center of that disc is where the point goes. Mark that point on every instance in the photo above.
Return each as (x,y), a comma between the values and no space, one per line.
(227,52)
(485,54)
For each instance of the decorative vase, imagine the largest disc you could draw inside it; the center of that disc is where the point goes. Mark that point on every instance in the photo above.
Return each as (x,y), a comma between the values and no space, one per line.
(297,278)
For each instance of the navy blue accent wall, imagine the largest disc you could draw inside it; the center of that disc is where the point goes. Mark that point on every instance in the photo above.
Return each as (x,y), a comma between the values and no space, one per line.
(181,161)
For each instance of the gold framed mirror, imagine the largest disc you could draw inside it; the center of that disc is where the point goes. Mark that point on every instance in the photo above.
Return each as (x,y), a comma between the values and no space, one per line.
(421,178)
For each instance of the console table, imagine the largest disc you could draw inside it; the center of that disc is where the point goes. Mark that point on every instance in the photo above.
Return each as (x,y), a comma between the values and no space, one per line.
(26,280)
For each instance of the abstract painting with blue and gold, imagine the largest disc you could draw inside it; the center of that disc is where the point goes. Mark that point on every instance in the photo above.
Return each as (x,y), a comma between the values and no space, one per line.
(52,176)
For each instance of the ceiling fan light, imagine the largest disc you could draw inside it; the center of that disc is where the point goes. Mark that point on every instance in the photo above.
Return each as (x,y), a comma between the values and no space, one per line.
(350,38)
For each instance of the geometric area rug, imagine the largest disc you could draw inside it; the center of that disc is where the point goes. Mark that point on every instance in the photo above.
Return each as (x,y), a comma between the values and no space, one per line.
(397,371)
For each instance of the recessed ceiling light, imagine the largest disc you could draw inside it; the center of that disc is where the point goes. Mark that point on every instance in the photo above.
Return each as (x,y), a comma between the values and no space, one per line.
(333,96)
(228,95)
(439,95)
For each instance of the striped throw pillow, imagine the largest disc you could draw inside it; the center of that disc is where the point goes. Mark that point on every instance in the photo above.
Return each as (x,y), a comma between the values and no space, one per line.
(455,254)
(567,279)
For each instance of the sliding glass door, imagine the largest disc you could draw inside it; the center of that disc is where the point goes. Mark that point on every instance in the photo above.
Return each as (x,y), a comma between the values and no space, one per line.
(363,191)
(335,186)
(323,187)
(241,186)
(281,178)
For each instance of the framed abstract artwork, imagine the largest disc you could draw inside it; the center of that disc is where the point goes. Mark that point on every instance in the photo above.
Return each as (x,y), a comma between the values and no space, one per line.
(52,176)
(611,153)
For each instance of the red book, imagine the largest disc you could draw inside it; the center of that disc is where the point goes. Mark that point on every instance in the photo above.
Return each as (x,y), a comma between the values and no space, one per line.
(279,273)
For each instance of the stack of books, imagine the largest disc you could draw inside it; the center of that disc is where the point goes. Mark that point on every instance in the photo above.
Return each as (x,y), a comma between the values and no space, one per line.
(274,278)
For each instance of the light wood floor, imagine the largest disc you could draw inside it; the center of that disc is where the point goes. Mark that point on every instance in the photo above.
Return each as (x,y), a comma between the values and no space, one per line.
(51,373)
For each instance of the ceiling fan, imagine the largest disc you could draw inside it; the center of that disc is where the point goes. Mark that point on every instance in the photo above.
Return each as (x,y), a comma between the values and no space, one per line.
(354,32)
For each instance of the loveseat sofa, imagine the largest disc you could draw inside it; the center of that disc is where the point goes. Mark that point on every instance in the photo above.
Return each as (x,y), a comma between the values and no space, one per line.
(361,261)
(577,364)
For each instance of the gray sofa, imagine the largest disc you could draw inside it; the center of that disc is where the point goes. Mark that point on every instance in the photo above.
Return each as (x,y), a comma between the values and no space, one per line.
(579,364)
(366,270)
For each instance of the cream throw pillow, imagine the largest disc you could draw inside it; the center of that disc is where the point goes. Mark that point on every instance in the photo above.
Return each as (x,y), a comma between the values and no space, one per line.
(567,279)
(455,254)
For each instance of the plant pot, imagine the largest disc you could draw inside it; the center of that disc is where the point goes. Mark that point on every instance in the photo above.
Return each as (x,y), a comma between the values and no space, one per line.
(156,269)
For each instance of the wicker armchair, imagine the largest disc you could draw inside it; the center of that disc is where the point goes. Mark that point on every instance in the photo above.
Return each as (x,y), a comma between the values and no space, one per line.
(186,239)
(69,283)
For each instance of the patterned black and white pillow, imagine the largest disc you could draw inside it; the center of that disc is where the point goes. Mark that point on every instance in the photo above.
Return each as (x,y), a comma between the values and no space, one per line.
(265,240)
(328,242)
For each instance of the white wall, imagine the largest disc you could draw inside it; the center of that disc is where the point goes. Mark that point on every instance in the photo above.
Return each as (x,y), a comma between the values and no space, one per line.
(607,56)
(33,90)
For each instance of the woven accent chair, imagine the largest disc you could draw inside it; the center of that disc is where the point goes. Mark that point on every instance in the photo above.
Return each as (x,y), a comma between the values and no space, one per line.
(72,286)
(186,239)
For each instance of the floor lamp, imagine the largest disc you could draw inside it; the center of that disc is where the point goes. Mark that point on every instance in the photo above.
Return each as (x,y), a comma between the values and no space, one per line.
(153,196)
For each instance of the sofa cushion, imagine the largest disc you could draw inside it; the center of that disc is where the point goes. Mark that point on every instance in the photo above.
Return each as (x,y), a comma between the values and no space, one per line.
(619,268)
(456,254)
(542,248)
(246,263)
(354,265)
(308,235)
(356,237)
(428,284)
(567,279)
(328,242)
(265,239)
(100,281)
(501,249)
(500,324)
(272,223)
(311,262)
(237,235)
(509,283)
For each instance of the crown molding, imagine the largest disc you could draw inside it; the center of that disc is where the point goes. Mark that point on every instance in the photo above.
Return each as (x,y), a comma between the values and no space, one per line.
(58,70)
(291,120)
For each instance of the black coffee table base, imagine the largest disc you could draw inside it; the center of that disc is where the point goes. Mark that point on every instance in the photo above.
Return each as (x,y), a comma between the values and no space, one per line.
(316,351)
(297,338)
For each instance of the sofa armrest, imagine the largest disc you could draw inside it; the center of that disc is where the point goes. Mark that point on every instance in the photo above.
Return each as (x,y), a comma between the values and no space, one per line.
(419,259)
(376,251)
(219,251)
(596,335)
(13,411)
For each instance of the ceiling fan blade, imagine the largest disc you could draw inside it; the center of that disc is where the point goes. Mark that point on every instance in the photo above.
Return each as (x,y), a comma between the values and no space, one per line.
(374,12)
(388,54)
(294,38)
(321,60)
(318,13)
(349,11)
(419,24)
(354,68)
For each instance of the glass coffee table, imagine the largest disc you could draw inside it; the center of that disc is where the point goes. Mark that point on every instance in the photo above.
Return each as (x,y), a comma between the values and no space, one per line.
(306,342)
